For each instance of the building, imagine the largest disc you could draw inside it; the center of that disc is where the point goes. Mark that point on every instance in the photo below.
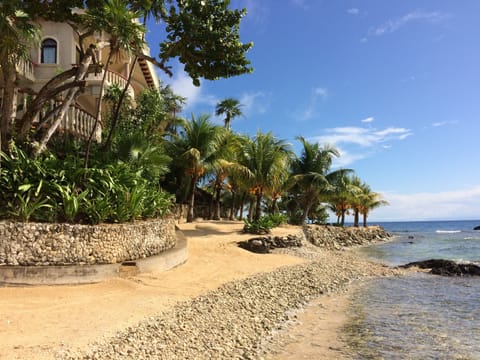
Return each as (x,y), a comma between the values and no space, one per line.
(59,51)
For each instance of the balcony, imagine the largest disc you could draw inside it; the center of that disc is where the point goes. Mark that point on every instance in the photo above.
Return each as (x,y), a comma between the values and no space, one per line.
(94,81)
(25,70)
(77,122)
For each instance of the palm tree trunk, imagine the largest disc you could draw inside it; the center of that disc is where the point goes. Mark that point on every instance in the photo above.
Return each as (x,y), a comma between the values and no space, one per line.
(8,106)
(342,221)
(258,206)
(216,214)
(116,113)
(242,205)
(191,201)
(99,109)
(306,210)
(251,209)
(232,208)
(355,218)
(364,219)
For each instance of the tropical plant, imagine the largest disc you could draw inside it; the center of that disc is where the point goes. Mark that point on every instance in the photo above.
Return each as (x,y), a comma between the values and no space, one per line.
(197,146)
(265,157)
(229,107)
(18,35)
(311,173)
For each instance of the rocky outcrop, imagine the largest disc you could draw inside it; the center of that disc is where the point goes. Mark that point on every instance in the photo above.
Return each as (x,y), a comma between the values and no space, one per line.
(264,244)
(335,237)
(476,228)
(445,267)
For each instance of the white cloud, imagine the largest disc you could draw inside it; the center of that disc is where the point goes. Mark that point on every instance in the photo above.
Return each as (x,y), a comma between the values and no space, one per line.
(393,25)
(254,102)
(368,120)
(366,137)
(300,3)
(356,143)
(353,11)
(443,123)
(309,111)
(458,204)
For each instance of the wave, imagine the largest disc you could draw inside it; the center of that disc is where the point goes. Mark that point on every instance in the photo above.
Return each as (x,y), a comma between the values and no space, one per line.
(448,231)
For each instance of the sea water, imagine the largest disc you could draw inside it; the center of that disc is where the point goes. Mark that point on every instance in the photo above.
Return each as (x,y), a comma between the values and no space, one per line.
(419,316)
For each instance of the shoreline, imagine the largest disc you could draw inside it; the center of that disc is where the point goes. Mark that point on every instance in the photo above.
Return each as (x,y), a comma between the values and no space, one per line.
(156,314)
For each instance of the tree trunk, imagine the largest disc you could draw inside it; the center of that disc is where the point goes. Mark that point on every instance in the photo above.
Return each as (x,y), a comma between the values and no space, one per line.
(242,205)
(364,219)
(70,97)
(232,208)
(191,201)
(306,210)
(216,214)
(251,209)
(99,110)
(355,218)
(116,113)
(8,105)
(258,206)
(342,222)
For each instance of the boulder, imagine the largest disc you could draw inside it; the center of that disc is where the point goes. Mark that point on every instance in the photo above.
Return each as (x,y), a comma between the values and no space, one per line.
(476,227)
(445,267)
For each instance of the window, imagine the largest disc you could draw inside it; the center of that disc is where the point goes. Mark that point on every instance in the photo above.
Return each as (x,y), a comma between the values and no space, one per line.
(49,52)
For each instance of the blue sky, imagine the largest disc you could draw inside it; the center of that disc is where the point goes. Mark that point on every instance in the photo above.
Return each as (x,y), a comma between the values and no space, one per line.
(394,85)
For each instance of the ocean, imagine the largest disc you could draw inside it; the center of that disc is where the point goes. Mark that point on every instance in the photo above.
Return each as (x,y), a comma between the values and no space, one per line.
(419,316)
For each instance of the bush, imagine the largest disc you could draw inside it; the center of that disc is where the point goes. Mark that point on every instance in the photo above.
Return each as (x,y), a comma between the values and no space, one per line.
(52,189)
(262,226)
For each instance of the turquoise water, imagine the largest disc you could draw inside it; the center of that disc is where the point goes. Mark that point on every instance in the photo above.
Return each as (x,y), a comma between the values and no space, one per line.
(420,316)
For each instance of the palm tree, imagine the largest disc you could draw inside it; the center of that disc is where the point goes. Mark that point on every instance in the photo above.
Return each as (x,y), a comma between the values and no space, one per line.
(18,35)
(198,146)
(369,200)
(343,195)
(231,108)
(125,36)
(266,158)
(312,176)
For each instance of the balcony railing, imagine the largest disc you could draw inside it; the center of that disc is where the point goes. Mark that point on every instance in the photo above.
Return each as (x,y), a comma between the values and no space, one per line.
(77,122)
(25,69)
(111,78)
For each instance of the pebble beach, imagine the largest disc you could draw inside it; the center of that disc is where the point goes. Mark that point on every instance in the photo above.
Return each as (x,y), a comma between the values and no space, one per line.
(239,319)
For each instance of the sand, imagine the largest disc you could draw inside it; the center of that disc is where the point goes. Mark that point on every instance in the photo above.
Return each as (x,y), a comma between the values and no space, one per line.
(38,322)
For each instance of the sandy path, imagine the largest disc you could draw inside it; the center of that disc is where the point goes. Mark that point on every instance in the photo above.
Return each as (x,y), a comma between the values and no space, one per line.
(36,322)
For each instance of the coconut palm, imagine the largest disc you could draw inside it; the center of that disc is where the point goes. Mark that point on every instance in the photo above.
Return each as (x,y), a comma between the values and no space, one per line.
(197,146)
(229,107)
(126,35)
(311,173)
(18,35)
(266,158)
(369,200)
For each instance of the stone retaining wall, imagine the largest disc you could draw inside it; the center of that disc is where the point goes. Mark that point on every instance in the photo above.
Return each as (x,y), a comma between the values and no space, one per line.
(68,244)
(335,237)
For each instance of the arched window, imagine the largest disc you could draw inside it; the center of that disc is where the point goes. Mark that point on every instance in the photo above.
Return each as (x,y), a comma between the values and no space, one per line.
(49,52)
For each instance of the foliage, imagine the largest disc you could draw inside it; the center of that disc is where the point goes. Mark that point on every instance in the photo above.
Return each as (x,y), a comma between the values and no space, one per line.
(261,226)
(53,189)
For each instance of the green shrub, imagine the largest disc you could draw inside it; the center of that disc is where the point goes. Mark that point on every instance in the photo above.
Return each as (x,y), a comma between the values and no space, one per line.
(262,226)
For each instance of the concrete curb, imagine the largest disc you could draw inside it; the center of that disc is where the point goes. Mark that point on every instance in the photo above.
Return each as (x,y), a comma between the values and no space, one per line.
(85,274)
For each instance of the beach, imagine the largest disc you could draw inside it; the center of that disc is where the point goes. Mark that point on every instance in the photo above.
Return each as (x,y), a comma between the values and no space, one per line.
(224,302)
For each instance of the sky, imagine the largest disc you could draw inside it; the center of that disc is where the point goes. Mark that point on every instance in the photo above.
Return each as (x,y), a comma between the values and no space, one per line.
(393,85)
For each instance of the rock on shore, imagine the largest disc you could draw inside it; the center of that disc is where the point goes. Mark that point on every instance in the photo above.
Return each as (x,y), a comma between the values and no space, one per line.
(335,237)
(232,321)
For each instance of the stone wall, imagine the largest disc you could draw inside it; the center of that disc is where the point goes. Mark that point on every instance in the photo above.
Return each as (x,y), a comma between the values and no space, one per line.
(335,237)
(68,244)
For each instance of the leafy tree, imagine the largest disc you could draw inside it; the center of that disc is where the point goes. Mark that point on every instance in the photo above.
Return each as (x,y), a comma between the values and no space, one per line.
(369,200)
(18,35)
(311,172)
(198,146)
(229,107)
(265,157)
